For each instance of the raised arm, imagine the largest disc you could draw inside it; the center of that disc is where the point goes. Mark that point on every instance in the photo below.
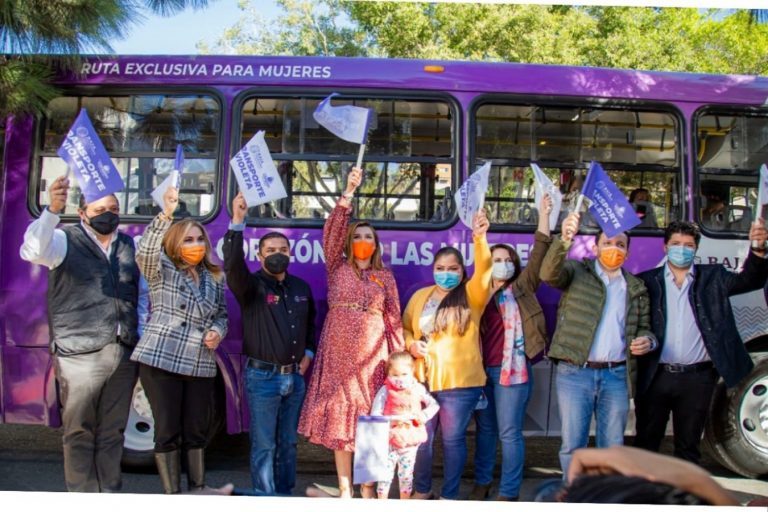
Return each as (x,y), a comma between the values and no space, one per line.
(335,229)
(529,279)
(755,271)
(238,276)
(151,243)
(554,270)
(43,243)
(479,285)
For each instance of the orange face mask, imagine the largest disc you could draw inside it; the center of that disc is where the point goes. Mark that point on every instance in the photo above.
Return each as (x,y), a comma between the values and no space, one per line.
(363,249)
(193,254)
(612,257)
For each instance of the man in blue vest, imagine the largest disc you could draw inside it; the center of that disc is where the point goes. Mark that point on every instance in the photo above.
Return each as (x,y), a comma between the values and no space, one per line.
(93,293)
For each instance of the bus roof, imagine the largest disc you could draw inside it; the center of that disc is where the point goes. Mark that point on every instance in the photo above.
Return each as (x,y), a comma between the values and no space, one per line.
(449,76)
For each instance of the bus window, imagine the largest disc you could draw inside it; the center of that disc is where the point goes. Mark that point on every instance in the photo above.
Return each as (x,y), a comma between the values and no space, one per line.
(730,148)
(408,162)
(639,149)
(141,133)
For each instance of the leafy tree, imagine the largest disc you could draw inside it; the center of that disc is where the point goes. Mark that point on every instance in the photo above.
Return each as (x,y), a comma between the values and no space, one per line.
(38,34)
(694,40)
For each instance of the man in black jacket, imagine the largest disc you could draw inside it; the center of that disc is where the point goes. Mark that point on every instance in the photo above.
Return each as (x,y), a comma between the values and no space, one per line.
(692,318)
(278,314)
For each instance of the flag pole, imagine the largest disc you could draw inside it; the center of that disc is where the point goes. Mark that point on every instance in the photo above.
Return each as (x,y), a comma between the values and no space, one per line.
(579,201)
(360,156)
(758,207)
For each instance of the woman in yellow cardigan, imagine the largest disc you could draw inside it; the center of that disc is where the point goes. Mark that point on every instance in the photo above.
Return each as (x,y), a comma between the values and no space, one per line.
(441,329)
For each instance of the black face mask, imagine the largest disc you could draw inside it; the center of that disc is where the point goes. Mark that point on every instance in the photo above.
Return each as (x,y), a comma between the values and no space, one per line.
(276,263)
(104,223)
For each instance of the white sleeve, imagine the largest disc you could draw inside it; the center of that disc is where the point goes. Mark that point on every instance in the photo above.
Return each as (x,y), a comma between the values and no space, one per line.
(430,404)
(43,243)
(377,408)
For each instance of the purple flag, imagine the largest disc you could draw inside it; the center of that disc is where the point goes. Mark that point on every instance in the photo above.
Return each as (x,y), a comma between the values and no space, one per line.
(85,155)
(609,206)
(346,122)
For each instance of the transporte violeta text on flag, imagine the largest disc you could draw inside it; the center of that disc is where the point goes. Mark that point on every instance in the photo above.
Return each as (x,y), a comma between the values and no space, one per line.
(256,173)
(87,158)
(608,205)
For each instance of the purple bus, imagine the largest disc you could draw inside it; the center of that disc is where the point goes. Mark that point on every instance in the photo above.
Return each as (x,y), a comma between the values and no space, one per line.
(692,142)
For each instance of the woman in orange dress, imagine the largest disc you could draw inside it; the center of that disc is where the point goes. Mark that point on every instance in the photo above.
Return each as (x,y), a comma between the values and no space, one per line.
(362,326)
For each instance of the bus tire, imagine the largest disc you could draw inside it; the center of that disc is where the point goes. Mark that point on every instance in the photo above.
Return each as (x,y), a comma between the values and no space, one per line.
(736,433)
(139,444)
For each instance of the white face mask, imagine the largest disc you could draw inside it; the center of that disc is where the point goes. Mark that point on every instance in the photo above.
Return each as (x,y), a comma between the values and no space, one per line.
(503,270)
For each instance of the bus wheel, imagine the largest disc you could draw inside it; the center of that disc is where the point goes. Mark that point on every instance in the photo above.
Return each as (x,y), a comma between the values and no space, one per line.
(737,427)
(138,447)
(139,444)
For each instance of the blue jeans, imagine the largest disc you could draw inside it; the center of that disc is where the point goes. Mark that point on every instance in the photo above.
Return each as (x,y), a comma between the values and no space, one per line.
(583,392)
(502,420)
(274,403)
(456,407)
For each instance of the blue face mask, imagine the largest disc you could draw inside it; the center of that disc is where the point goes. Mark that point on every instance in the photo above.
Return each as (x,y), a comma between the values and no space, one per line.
(680,255)
(447,280)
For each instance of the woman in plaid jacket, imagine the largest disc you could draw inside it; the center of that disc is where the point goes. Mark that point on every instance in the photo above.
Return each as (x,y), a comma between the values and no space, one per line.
(176,351)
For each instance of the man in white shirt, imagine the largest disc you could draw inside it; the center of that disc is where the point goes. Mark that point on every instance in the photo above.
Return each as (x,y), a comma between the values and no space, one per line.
(93,294)
(602,324)
(692,318)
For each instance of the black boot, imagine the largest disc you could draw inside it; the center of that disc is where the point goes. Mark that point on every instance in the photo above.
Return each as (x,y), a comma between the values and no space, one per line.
(195,468)
(169,469)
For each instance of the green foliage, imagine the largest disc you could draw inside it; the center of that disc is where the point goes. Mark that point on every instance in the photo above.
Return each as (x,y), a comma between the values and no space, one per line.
(36,33)
(673,39)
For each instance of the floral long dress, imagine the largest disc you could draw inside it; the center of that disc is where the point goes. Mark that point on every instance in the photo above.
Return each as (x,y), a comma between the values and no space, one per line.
(351,358)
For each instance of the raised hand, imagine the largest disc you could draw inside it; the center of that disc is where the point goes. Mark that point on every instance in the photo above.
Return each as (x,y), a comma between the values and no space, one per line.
(758,235)
(57,195)
(353,180)
(570,227)
(239,209)
(480,223)
(170,201)
(545,211)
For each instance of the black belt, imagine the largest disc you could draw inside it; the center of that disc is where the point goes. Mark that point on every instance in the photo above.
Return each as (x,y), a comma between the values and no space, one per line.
(687,368)
(594,365)
(270,367)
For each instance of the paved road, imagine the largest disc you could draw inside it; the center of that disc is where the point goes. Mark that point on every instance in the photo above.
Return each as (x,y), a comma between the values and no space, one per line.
(30,460)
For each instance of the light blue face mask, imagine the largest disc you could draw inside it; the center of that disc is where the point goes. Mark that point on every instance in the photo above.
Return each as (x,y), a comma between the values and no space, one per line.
(680,255)
(447,280)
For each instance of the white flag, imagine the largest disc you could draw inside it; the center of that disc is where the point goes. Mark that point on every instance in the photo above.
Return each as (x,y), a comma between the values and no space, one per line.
(256,173)
(172,179)
(762,191)
(543,185)
(471,196)
(346,122)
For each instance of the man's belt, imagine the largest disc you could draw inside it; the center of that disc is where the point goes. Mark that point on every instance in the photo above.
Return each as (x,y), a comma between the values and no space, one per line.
(595,365)
(275,368)
(687,368)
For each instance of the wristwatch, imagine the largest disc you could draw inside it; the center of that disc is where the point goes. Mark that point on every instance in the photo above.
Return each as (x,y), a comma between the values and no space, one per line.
(347,195)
